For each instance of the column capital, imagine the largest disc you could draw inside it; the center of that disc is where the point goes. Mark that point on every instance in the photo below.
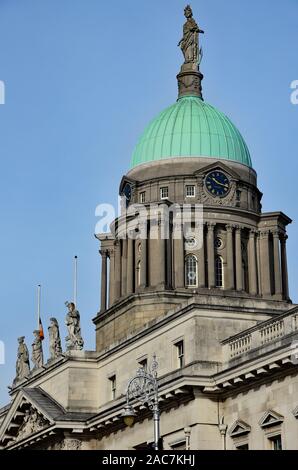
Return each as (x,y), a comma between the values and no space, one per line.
(284,238)
(252,232)
(238,227)
(230,228)
(211,225)
(103,253)
(276,233)
(264,233)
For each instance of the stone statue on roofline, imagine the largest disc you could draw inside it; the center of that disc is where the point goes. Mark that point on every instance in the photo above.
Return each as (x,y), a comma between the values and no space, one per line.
(37,353)
(74,340)
(54,339)
(23,363)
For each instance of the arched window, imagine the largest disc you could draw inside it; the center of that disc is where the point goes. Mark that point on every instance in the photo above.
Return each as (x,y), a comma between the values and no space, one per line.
(191,271)
(218,271)
(139,273)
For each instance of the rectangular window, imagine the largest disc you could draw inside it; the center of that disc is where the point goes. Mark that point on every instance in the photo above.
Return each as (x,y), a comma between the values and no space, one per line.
(164,192)
(112,380)
(190,190)
(142,197)
(180,354)
(143,363)
(276,443)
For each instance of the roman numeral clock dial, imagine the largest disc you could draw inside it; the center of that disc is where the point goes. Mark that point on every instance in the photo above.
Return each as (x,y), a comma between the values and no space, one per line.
(217,183)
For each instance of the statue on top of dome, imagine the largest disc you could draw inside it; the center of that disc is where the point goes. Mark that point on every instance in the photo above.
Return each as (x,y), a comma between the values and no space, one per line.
(189,44)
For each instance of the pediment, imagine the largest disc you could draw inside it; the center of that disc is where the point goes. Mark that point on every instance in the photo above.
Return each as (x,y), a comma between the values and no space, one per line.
(219,165)
(31,412)
(239,428)
(126,179)
(270,418)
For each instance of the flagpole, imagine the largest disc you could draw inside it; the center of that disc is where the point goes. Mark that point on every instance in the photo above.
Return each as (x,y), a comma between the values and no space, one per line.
(75,286)
(38,304)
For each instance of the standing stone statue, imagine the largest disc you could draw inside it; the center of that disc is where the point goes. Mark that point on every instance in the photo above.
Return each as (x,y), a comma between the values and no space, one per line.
(54,339)
(190,42)
(37,354)
(22,364)
(74,339)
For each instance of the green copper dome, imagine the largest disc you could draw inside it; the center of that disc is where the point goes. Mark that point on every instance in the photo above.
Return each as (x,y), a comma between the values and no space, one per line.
(191,128)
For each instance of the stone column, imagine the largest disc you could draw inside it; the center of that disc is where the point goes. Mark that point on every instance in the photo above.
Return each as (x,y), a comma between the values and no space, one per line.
(238,253)
(210,254)
(161,251)
(103,297)
(284,265)
(143,276)
(178,242)
(112,277)
(252,263)
(201,261)
(277,267)
(229,278)
(124,267)
(130,267)
(157,255)
(117,272)
(265,262)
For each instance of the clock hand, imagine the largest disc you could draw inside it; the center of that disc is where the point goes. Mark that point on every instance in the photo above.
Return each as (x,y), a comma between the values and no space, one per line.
(218,182)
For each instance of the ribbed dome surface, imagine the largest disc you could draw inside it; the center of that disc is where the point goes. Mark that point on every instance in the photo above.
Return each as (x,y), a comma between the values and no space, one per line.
(191,128)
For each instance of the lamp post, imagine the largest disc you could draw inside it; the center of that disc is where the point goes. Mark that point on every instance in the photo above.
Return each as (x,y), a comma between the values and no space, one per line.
(144,388)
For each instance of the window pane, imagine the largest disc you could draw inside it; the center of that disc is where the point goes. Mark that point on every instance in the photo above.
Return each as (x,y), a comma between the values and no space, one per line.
(191,267)
(164,192)
(190,190)
(218,272)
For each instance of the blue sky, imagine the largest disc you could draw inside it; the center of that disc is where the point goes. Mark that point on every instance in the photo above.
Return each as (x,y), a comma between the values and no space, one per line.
(83,78)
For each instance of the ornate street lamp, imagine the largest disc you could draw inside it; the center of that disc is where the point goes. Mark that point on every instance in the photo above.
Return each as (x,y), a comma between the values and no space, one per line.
(143,387)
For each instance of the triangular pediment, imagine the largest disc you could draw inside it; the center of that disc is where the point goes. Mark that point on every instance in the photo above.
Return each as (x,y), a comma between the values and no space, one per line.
(31,412)
(126,180)
(239,428)
(217,166)
(271,418)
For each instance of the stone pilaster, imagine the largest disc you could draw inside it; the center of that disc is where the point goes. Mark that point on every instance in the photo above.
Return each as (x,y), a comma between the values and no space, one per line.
(143,275)
(284,265)
(103,297)
(117,271)
(265,262)
(238,256)
(210,254)
(229,278)
(277,264)
(130,267)
(252,263)
(112,277)
(124,267)
(201,267)
(178,243)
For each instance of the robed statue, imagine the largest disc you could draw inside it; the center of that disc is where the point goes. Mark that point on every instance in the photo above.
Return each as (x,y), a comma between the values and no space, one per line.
(22,364)
(54,339)
(190,42)
(74,339)
(37,353)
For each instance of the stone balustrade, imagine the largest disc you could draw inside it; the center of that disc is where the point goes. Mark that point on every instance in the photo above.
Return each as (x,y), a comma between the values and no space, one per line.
(262,335)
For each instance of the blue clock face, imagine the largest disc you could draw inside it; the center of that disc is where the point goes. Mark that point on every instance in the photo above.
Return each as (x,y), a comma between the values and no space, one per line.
(217,183)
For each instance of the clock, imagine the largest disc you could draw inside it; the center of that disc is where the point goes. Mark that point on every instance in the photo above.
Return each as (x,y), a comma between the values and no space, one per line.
(217,183)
